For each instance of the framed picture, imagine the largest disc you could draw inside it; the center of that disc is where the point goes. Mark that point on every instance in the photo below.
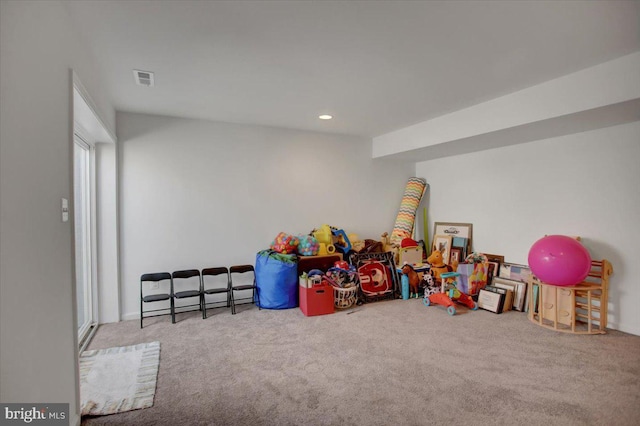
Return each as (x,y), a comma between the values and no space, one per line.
(519,291)
(456,230)
(460,243)
(492,270)
(456,254)
(515,272)
(490,301)
(497,258)
(442,243)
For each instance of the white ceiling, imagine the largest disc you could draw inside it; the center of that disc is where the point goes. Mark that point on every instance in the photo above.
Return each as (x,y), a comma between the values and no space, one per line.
(377,66)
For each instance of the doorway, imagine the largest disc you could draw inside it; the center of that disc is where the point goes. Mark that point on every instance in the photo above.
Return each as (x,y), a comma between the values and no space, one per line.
(83,191)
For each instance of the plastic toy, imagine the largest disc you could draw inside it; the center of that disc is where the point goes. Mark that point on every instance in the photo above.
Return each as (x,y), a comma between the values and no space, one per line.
(323,235)
(408,242)
(343,278)
(308,245)
(412,279)
(314,273)
(285,243)
(324,250)
(332,238)
(449,294)
(559,260)
(341,240)
(344,282)
(342,264)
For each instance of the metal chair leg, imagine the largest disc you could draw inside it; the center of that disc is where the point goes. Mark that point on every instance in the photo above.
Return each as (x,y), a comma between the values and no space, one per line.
(233,303)
(173,311)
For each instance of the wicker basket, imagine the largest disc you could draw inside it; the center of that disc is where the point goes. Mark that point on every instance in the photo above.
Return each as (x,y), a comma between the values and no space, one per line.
(344,298)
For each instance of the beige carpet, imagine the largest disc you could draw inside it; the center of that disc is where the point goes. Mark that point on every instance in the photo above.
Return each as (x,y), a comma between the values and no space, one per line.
(386,363)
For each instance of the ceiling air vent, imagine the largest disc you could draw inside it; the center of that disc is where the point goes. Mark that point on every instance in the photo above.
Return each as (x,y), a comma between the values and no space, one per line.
(143,78)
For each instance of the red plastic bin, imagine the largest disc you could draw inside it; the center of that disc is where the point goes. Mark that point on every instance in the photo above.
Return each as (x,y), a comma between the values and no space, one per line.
(316,300)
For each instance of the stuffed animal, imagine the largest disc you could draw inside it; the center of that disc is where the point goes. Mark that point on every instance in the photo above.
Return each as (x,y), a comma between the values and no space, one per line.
(438,266)
(387,245)
(414,280)
(429,285)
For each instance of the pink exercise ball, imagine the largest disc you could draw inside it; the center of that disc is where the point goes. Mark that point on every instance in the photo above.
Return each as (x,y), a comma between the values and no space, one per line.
(559,260)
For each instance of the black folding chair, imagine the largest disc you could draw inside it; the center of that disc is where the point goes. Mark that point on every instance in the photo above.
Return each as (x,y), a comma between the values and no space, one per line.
(217,279)
(159,296)
(245,280)
(185,278)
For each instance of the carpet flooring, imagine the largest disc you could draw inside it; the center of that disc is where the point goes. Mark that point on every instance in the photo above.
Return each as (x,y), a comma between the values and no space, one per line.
(387,363)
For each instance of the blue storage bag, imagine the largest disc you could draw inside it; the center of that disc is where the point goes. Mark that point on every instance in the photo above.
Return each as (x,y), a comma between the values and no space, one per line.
(277,280)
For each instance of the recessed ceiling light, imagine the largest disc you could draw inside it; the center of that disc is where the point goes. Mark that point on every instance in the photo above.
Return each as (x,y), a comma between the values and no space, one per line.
(325,117)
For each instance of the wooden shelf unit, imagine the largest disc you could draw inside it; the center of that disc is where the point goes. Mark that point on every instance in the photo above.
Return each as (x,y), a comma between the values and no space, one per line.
(579,309)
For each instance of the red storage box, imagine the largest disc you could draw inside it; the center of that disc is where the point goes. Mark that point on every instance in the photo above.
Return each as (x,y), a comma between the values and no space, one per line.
(316,300)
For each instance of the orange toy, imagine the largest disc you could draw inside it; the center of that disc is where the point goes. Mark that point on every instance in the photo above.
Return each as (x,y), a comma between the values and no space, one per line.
(438,266)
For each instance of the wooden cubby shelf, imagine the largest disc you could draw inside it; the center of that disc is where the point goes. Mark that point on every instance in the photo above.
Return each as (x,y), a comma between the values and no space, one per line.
(579,309)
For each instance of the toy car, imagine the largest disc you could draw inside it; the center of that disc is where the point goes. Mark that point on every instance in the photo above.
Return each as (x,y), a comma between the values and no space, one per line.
(452,294)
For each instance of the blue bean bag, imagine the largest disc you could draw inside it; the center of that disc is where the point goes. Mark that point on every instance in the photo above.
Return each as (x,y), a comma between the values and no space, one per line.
(277,280)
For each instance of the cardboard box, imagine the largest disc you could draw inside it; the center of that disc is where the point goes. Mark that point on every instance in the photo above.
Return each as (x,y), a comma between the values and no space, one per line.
(316,300)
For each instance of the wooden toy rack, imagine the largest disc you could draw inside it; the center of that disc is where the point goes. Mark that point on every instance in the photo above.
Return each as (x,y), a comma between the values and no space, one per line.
(579,309)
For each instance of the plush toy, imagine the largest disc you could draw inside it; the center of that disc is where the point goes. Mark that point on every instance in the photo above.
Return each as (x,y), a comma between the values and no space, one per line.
(429,284)
(356,243)
(387,246)
(414,280)
(438,266)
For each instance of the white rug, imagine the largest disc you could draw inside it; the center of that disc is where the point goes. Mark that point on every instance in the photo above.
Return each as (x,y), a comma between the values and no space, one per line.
(118,379)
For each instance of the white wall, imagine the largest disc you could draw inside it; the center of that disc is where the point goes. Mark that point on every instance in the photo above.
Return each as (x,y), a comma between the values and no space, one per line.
(198,194)
(583,184)
(38,343)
